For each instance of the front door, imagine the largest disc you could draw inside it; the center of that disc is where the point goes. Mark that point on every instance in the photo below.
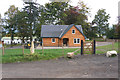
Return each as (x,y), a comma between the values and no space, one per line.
(65,41)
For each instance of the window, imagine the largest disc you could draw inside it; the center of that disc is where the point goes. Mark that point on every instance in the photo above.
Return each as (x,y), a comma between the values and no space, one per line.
(76,41)
(73,31)
(53,40)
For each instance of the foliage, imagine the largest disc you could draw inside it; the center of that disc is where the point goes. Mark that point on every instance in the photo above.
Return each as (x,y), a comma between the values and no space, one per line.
(10,26)
(41,21)
(33,16)
(32,12)
(112,33)
(0,27)
(78,15)
(54,11)
(22,29)
(90,32)
(101,20)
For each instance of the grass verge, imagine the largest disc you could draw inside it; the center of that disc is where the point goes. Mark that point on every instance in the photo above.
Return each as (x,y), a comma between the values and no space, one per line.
(15,55)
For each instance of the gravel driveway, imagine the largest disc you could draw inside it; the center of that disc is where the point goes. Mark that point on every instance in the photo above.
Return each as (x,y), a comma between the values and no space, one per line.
(85,66)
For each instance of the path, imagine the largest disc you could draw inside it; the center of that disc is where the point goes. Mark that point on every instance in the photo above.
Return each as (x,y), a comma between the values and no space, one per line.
(97,44)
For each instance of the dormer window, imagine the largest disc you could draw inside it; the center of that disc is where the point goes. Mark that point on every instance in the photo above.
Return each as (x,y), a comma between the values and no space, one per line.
(73,31)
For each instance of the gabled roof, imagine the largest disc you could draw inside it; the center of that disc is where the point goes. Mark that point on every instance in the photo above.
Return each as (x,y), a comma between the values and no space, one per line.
(54,31)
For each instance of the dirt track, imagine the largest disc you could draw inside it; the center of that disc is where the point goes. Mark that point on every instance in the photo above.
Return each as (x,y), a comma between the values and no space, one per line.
(86,66)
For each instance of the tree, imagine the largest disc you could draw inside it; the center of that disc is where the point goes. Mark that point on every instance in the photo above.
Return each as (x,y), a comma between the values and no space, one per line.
(51,13)
(101,20)
(0,27)
(55,12)
(22,26)
(91,31)
(32,10)
(118,27)
(112,33)
(78,15)
(9,22)
(41,21)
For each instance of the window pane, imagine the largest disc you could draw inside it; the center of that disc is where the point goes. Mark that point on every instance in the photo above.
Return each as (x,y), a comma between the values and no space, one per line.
(74,40)
(53,40)
(73,31)
(78,40)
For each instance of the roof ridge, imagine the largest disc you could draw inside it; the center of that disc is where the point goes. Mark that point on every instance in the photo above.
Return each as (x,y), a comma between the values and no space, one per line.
(66,30)
(63,32)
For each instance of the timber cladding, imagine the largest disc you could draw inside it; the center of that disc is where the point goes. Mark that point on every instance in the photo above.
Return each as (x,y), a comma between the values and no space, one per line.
(48,42)
(69,36)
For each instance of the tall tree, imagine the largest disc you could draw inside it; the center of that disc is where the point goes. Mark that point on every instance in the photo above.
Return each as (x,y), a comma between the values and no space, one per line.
(0,27)
(31,9)
(78,15)
(21,20)
(101,20)
(10,23)
(41,21)
(55,12)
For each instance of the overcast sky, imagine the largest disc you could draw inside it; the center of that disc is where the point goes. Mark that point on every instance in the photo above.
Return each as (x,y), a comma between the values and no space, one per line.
(111,7)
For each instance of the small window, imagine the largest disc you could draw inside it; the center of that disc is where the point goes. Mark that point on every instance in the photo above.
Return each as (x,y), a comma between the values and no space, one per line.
(53,40)
(76,41)
(73,31)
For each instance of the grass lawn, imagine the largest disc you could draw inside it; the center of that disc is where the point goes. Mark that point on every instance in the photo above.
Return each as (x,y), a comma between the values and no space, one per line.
(15,55)
(104,49)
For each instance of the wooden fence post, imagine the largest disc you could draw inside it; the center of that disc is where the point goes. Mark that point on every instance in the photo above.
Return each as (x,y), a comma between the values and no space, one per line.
(113,44)
(82,47)
(23,48)
(3,48)
(94,46)
(63,49)
(42,49)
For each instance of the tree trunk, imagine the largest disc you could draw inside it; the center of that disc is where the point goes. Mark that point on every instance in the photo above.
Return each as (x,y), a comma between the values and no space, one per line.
(12,38)
(23,40)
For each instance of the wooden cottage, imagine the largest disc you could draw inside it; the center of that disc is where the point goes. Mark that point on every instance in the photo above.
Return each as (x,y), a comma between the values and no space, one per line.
(58,35)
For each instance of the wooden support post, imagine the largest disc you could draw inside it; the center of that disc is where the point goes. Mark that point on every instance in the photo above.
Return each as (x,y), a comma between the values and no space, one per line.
(3,48)
(62,49)
(113,44)
(42,49)
(23,49)
(82,47)
(94,46)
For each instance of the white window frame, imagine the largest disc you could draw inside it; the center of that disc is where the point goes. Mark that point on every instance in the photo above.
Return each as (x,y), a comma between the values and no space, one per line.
(52,40)
(76,40)
(72,31)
